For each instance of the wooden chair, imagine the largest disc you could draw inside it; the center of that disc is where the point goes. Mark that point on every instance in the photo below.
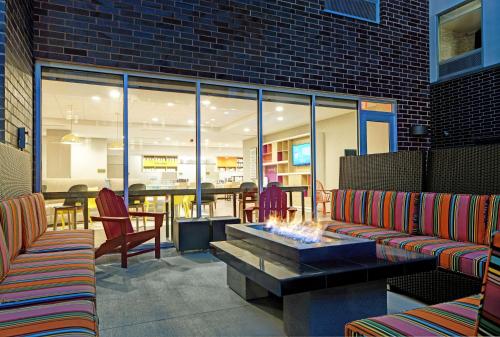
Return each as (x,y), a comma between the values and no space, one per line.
(272,202)
(322,196)
(248,195)
(70,206)
(137,203)
(120,235)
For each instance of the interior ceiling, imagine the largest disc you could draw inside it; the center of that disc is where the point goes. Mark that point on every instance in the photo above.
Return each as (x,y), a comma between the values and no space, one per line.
(165,118)
(466,23)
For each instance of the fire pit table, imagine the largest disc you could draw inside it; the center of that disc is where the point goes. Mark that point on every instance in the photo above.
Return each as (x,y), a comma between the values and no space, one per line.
(325,283)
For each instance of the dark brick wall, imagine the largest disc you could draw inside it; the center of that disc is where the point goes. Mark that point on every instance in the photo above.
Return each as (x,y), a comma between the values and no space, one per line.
(282,43)
(466,110)
(18,82)
(2,71)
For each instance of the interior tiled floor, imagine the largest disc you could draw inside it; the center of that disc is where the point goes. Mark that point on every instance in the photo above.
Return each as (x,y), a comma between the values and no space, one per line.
(184,295)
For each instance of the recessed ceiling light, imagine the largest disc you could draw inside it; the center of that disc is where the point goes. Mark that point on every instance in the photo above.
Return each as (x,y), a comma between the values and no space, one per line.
(280,118)
(207,140)
(206,102)
(96,98)
(212,119)
(167,139)
(155,119)
(279,108)
(226,145)
(114,94)
(246,130)
(170,104)
(213,107)
(226,113)
(190,121)
(156,142)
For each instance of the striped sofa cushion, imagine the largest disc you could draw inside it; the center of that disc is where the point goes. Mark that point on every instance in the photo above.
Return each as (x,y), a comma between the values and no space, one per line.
(459,217)
(34,218)
(58,241)
(70,318)
(349,206)
(11,222)
(4,257)
(493,217)
(457,318)
(42,278)
(392,210)
(366,232)
(489,312)
(462,257)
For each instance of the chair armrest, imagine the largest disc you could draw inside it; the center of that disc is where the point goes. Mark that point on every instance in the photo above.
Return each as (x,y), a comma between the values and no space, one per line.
(157,216)
(122,220)
(109,218)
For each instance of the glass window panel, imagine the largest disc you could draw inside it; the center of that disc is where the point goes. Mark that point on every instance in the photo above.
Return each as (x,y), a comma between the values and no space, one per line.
(376,106)
(82,135)
(162,145)
(377,137)
(336,134)
(228,144)
(460,31)
(286,151)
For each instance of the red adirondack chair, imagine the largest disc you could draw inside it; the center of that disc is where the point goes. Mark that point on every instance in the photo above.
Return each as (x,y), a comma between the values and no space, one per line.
(272,202)
(120,234)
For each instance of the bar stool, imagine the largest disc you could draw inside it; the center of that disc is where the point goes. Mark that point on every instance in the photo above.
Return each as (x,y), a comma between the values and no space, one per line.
(70,206)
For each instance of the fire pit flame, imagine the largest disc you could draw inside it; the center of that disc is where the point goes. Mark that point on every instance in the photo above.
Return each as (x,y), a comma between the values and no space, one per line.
(302,232)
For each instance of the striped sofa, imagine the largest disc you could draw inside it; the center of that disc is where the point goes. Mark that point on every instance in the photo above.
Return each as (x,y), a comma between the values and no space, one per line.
(47,279)
(471,316)
(454,227)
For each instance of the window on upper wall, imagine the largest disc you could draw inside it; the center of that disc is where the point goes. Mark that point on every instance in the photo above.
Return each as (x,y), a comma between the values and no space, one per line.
(460,40)
(368,10)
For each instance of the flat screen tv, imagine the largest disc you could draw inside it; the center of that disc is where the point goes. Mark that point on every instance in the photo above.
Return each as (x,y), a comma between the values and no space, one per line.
(301,154)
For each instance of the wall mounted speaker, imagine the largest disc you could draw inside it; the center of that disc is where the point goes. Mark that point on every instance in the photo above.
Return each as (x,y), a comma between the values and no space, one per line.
(21,138)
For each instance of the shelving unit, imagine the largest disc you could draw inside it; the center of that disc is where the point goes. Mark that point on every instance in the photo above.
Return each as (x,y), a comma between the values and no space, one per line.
(156,163)
(277,162)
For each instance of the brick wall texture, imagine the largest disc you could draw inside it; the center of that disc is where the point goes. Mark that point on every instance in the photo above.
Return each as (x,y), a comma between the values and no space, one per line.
(18,71)
(280,43)
(466,110)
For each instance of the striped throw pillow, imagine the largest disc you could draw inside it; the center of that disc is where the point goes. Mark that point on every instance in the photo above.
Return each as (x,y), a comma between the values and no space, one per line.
(4,257)
(493,217)
(349,206)
(11,222)
(459,217)
(392,210)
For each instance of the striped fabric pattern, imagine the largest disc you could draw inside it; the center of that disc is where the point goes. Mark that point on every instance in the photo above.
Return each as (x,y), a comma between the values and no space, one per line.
(493,217)
(392,210)
(11,222)
(41,278)
(57,241)
(4,257)
(367,232)
(489,312)
(69,318)
(459,217)
(30,220)
(457,318)
(462,257)
(349,206)
(41,212)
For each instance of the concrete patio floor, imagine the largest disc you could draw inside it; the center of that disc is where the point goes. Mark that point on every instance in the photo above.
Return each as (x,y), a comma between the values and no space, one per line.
(184,295)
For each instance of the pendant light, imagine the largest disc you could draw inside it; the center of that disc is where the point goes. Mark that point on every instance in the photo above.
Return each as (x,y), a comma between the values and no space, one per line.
(71,138)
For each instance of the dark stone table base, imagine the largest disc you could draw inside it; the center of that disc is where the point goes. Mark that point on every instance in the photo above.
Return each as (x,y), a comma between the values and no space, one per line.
(325,312)
(322,312)
(246,288)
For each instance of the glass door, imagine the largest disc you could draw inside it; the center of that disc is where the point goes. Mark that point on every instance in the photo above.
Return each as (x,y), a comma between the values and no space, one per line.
(378,129)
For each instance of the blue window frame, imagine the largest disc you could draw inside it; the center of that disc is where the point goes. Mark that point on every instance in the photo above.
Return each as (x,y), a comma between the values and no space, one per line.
(366,10)
(366,116)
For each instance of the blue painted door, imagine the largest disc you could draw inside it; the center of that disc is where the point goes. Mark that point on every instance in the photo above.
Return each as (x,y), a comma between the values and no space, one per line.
(378,132)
